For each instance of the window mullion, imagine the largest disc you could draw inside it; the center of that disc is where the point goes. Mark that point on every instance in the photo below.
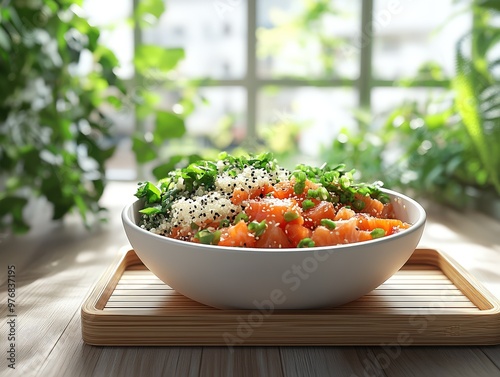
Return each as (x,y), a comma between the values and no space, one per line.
(250,80)
(366,49)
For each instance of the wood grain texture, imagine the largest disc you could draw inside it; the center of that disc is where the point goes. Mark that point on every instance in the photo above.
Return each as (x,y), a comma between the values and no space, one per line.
(243,361)
(439,362)
(324,361)
(431,299)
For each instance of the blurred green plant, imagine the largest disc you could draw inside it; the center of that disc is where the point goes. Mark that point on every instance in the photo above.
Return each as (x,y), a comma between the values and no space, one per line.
(160,141)
(451,144)
(57,79)
(441,148)
(477,90)
(280,138)
(52,132)
(302,38)
(361,148)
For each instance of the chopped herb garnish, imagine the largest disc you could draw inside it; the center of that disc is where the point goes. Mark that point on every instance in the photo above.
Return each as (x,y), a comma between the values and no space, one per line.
(300,182)
(241,216)
(377,233)
(202,193)
(208,238)
(358,204)
(306,242)
(307,204)
(257,228)
(224,223)
(149,211)
(330,224)
(290,216)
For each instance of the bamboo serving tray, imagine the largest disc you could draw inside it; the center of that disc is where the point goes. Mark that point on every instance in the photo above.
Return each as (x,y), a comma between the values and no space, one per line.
(430,301)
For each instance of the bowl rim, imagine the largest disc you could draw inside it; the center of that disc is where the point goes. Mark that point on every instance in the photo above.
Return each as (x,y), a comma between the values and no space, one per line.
(422,216)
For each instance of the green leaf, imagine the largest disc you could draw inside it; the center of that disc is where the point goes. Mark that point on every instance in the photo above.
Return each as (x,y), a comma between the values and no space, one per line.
(144,151)
(82,206)
(492,4)
(115,101)
(4,40)
(467,104)
(169,126)
(435,121)
(149,192)
(147,104)
(98,187)
(31,161)
(4,14)
(61,208)
(14,206)
(145,8)
(149,57)
(10,203)
(151,210)
(162,170)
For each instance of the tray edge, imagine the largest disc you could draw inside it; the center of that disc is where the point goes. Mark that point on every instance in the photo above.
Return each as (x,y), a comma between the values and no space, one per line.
(91,313)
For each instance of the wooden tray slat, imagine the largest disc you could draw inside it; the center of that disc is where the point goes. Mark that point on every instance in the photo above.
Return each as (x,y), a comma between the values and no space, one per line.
(431,301)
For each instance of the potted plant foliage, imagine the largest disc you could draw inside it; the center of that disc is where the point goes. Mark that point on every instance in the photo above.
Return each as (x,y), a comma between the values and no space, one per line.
(52,133)
(450,145)
(445,149)
(54,136)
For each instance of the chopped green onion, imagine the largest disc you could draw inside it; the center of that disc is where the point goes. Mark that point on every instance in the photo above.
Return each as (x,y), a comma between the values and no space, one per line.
(257,228)
(300,178)
(345,181)
(224,223)
(208,238)
(194,226)
(384,198)
(307,204)
(151,210)
(377,233)
(320,193)
(241,216)
(299,187)
(330,224)
(299,175)
(306,242)
(216,238)
(323,193)
(358,205)
(290,216)
(312,193)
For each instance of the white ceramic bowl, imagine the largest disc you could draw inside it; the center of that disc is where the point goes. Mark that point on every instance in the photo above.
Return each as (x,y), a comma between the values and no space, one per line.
(268,279)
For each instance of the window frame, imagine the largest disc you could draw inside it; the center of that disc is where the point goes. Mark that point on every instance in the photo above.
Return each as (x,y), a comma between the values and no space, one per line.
(252,83)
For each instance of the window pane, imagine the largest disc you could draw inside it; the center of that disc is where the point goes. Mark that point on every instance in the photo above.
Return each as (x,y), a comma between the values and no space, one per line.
(308,39)
(110,17)
(385,100)
(318,114)
(211,32)
(209,117)
(408,34)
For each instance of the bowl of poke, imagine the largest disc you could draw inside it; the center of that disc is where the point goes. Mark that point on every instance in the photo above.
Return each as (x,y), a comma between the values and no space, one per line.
(246,233)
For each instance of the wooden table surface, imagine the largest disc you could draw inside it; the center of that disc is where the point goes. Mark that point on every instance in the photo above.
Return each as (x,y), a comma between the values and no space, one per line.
(57,265)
